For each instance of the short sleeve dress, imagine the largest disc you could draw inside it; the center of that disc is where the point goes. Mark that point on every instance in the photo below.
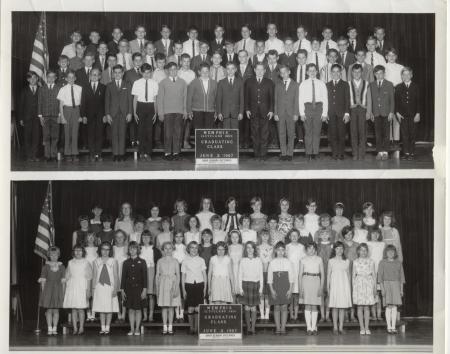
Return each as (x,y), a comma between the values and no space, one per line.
(78,276)
(168,289)
(52,275)
(310,283)
(363,282)
(340,295)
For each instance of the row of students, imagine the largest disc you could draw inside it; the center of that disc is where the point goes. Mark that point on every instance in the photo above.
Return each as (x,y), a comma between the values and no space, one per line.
(329,275)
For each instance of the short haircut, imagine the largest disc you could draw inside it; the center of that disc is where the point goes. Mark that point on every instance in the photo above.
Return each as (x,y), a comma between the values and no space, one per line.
(323,217)
(106,218)
(391,50)
(406,68)
(94,69)
(299,217)
(332,50)
(280,244)
(244,217)
(63,57)
(184,56)
(203,66)
(342,38)
(390,248)
(49,72)
(284,67)
(255,249)
(272,52)
(230,63)
(356,67)
(190,245)
(110,55)
(215,217)
(303,27)
(139,26)
(222,244)
(78,246)
(178,43)
(338,66)
(246,25)
(327,27)
(311,65)
(192,28)
(371,38)
(83,217)
(171,65)
(291,231)
(379,68)
(167,243)
(346,229)
(103,244)
(53,249)
(30,74)
(218,25)
(272,217)
(134,244)
(350,28)
(303,51)
(364,51)
(376,28)
(357,217)
(135,55)
(315,39)
(288,39)
(166,27)
(80,43)
(271,23)
(146,67)
(260,41)
(243,51)
(311,244)
(160,56)
(117,66)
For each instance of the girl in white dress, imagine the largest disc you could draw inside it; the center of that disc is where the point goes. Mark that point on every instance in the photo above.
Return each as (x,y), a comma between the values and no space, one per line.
(166,235)
(125,221)
(310,282)
(205,214)
(220,276)
(235,251)
(120,254)
(265,251)
(295,251)
(376,253)
(218,233)
(78,288)
(91,255)
(339,221)
(339,290)
(193,234)
(359,234)
(105,285)
(247,234)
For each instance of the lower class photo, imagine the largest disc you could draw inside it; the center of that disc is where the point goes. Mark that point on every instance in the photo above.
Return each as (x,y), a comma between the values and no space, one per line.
(332,262)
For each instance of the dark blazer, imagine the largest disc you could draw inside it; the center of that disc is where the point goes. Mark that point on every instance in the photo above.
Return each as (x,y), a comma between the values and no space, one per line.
(358,45)
(290,61)
(197,60)
(407,99)
(93,104)
(225,58)
(118,100)
(338,98)
(48,104)
(259,97)
(214,47)
(159,46)
(254,60)
(61,77)
(106,77)
(98,63)
(349,60)
(386,45)
(28,106)
(134,276)
(294,73)
(230,98)
(248,73)
(113,47)
(286,102)
(273,75)
(131,76)
(382,98)
(82,77)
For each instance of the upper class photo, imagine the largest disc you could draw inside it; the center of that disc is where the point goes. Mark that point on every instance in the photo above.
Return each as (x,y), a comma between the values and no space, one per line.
(128,91)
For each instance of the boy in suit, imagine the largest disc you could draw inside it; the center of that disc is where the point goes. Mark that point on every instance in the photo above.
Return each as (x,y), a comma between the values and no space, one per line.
(367,70)
(113,45)
(201,99)
(171,102)
(107,74)
(177,55)
(28,116)
(272,72)
(302,42)
(130,77)
(92,110)
(94,37)
(63,68)
(345,57)
(229,54)
(246,43)
(382,45)
(299,74)
(286,112)
(124,57)
(191,46)
(382,110)
(327,42)
(407,111)
(260,54)
(354,43)
(217,72)
(218,44)
(372,56)
(165,44)
(273,43)
(230,98)
(202,58)
(245,72)
(83,74)
(288,58)
(338,112)
(118,110)
(149,55)
(259,106)
(70,49)
(76,62)
(325,72)
(315,56)
(360,110)
(188,76)
(313,108)
(69,97)
(137,45)
(101,60)
(48,113)
(144,93)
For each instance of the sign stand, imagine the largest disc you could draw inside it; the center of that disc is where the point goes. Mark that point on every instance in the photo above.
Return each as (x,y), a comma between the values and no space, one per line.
(217,322)
(216,147)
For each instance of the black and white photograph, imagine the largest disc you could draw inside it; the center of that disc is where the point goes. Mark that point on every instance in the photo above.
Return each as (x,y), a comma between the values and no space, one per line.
(344,263)
(255,91)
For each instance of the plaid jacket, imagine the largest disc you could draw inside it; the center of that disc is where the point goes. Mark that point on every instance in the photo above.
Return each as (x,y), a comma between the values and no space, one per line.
(48,104)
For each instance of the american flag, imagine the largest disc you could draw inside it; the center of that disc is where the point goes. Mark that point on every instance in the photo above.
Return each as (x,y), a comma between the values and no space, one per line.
(46,232)
(39,57)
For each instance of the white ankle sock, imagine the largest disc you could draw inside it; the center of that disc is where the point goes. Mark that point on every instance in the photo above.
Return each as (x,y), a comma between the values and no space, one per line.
(388,317)
(50,328)
(314,315)
(308,320)
(393,317)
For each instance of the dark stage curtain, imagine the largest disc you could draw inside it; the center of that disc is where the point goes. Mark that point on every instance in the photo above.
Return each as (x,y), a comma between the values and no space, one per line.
(411,34)
(411,201)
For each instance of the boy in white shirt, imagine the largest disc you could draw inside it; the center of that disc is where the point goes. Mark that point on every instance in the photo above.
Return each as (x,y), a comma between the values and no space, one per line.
(302,42)
(124,57)
(191,46)
(315,56)
(327,43)
(273,42)
(373,58)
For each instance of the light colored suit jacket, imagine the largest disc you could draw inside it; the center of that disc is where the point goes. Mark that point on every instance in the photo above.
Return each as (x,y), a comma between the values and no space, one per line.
(135,48)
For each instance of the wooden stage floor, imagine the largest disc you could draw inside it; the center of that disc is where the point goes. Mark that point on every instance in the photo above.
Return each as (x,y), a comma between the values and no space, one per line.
(423,160)
(417,338)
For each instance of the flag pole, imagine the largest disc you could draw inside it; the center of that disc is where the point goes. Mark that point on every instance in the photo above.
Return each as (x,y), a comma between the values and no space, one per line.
(37,331)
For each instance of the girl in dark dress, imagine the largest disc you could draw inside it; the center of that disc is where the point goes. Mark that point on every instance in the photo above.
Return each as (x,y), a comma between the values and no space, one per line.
(134,287)
(52,286)
(79,236)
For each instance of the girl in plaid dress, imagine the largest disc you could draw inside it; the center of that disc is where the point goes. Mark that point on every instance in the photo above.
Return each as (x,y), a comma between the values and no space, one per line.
(251,283)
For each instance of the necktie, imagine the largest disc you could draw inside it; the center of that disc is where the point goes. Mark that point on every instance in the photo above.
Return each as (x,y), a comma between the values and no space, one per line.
(93,87)
(216,70)
(286,85)
(73,95)
(124,61)
(229,57)
(259,81)
(343,58)
(327,47)
(153,61)
(33,89)
(118,84)
(379,45)
(146,90)
(179,60)
(231,81)
(313,94)
(371,59)
(110,73)
(166,47)
(353,44)
(104,276)
(193,49)
(243,47)
(317,61)
(300,44)
(301,73)
(379,84)
(203,58)
(173,79)
(102,60)
(141,45)
(88,72)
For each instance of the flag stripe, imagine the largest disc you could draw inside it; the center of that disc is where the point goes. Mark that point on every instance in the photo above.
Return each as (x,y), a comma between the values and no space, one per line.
(45,231)
(39,57)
